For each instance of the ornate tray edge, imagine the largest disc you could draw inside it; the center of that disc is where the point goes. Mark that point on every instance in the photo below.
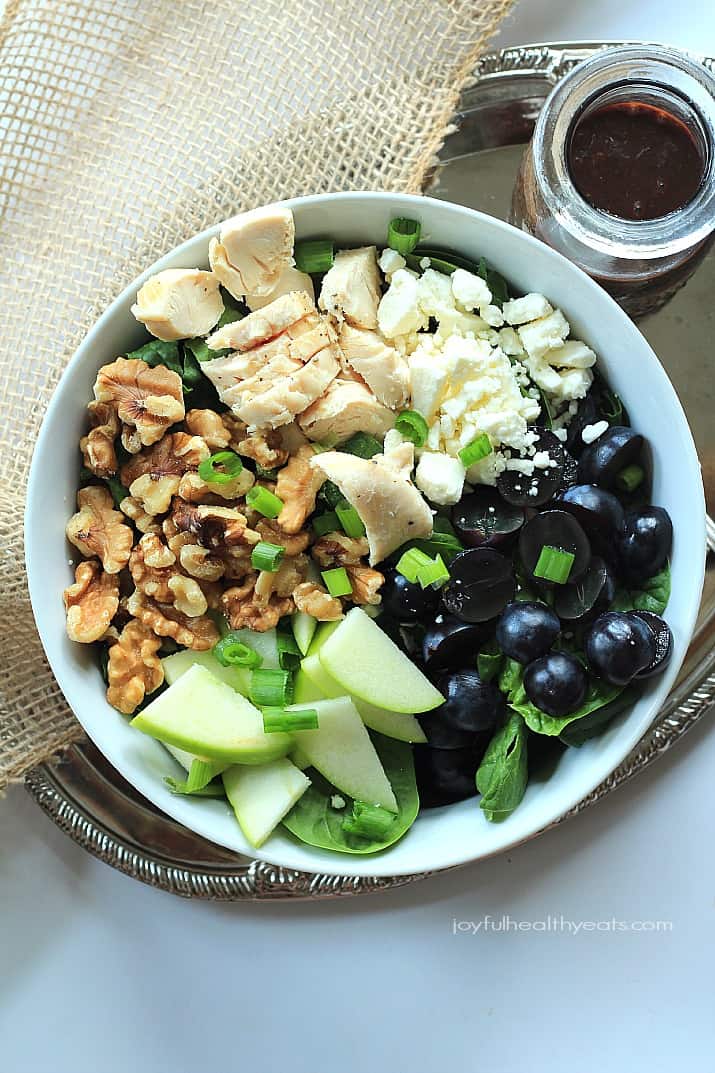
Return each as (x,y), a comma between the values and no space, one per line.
(259,881)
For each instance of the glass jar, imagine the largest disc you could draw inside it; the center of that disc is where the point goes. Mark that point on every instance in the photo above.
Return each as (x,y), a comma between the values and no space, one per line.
(642,263)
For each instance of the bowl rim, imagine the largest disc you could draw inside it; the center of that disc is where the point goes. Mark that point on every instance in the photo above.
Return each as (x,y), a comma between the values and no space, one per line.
(378,864)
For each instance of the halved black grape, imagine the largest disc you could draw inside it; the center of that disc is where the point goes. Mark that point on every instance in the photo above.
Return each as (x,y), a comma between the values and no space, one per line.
(606,457)
(555,529)
(556,683)
(482,584)
(533,491)
(450,643)
(591,594)
(526,630)
(569,477)
(484,519)
(663,643)
(599,512)
(448,775)
(645,543)
(471,706)
(619,646)
(406,601)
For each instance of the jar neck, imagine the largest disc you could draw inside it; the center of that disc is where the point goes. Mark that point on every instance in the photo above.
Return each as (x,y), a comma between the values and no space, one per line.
(650,75)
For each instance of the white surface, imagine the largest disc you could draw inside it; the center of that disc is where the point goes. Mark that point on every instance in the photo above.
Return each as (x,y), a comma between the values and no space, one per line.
(103,975)
(440,838)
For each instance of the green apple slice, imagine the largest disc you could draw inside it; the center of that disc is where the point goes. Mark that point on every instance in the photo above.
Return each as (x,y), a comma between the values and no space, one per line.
(262,796)
(342,752)
(299,758)
(399,725)
(368,664)
(323,632)
(304,627)
(239,678)
(204,716)
(305,689)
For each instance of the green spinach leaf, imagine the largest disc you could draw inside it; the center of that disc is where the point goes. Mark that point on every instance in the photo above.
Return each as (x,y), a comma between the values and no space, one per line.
(489,661)
(510,676)
(158,352)
(503,772)
(598,696)
(590,726)
(313,819)
(653,596)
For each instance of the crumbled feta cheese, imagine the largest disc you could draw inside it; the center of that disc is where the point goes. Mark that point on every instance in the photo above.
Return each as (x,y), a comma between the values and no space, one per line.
(520,465)
(440,477)
(425,262)
(574,384)
(592,432)
(492,315)
(487,469)
(560,434)
(337,801)
(542,460)
(434,295)
(530,307)
(399,312)
(541,335)
(509,341)
(390,261)
(469,290)
(571,355)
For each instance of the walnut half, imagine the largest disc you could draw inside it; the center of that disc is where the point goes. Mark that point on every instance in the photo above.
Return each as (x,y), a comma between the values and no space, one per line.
(98,529)
(134,668)
(147,399)
(91,602)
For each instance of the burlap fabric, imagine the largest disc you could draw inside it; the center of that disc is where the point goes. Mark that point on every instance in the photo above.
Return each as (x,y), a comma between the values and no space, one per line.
(128,126)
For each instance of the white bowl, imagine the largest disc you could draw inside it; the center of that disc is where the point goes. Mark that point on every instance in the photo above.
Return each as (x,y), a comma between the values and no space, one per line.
(445,836)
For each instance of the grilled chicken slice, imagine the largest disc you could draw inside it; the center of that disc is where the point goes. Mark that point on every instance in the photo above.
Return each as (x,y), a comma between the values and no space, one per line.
(391,508)
(384,370)
(179,303)
(253,250)
(351,288)
(346,407)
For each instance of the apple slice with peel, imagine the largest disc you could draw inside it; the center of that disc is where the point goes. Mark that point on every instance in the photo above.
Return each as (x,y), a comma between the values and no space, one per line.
(368,664)
(204,716)
(298,757)
(304,627)
(306,689)
(323,632)
(239,678)
(262,796)
(399,725)
(341,751)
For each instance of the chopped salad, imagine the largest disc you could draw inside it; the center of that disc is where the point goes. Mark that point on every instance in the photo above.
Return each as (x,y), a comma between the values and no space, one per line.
(362,533)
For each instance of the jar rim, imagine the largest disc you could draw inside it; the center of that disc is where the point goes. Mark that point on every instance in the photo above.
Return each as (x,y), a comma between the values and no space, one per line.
(654,66)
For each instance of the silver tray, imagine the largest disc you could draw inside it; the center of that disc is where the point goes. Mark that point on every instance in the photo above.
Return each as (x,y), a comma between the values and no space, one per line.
(88,800)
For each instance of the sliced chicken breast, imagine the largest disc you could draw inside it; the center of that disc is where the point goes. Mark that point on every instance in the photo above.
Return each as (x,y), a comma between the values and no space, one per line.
(348,406)
(382,368)
(351,288)
(264,324)
(253,250)
(179,303)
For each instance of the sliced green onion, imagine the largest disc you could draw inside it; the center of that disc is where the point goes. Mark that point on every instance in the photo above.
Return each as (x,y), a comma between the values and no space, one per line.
(271,688)
(331,494)
(368,821)
(350,519)
(220,468)
(403,235)
(630,478)
(289,655)
(412,426)
(264,501)
(201,773)
(325,523)
(337,581)
(212,789)
(267,556)
(475,451)
(362,444)
(314,255)
(277,720)
(436,573)
(232,652)
(554,564)
(410,564)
